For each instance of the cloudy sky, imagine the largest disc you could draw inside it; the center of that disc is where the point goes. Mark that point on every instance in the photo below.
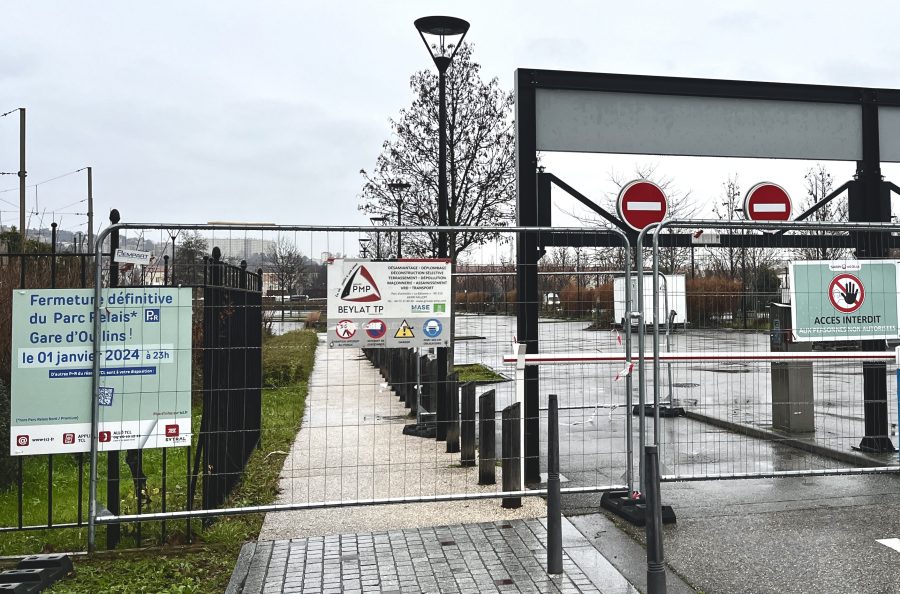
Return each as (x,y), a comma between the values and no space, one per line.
(266,111)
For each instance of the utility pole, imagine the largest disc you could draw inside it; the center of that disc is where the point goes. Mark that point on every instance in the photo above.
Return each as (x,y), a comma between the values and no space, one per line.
(90,210)
(22,175)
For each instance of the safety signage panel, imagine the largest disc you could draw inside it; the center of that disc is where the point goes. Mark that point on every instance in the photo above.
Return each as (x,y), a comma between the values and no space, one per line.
(403,303)
(844,300)
(144,391)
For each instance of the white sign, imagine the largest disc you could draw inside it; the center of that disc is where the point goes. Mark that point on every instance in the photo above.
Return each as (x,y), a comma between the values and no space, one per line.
(404,303)
(132,257)
(144,388)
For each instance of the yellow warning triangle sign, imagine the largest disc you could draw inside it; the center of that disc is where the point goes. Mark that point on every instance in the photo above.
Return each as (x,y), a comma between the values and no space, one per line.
(404,331)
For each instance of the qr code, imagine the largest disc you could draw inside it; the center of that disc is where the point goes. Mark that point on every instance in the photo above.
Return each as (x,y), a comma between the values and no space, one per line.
(105,397)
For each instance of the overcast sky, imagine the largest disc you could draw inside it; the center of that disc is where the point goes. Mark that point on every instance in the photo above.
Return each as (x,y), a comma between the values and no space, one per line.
(266,111)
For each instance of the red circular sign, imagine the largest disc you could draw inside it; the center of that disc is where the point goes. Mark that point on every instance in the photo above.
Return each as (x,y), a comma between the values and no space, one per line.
(641,203)
(345,329)
(846,293)
(767,202)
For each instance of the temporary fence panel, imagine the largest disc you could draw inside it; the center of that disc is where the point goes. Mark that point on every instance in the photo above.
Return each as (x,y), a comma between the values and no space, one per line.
(741,416)
(363,429)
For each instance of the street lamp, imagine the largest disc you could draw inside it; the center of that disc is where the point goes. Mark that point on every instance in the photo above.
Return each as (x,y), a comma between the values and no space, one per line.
(364,246)
(447,34)
(378,221)
(400,187)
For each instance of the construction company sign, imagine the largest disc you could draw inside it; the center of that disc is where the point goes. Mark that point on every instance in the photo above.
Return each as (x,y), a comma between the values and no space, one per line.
(844,300)
(403,303)
(144,388)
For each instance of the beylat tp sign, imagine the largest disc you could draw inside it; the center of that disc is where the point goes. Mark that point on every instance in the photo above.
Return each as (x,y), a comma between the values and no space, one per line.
(404,303)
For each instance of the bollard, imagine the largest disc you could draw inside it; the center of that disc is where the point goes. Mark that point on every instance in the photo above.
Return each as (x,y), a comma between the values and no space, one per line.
(400,382)
(452,413)
(487,439)
(512,471)
(412,393)
(656,570)
(554,505)
(467,424)
(427,396)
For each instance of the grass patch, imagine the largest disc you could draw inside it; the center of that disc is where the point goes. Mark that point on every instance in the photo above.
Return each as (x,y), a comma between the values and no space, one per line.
(204,567)
(478,373)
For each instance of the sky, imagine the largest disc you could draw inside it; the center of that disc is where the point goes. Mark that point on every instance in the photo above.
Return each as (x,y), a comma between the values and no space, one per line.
(266,111)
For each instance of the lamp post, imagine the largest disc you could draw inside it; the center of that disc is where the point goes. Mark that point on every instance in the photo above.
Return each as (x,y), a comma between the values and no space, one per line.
(447,34)
(443,30)
(378,221)
(400,187)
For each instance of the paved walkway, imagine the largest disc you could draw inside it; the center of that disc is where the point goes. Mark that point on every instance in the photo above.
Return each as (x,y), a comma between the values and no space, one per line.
(351,447)
(488,557)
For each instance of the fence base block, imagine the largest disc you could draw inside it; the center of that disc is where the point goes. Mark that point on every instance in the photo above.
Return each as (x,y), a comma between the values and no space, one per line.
(632,510)
(665,411)
(421,430)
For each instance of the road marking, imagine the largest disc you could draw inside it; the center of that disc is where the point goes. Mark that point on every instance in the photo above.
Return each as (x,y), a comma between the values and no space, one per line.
(892,543)
(644,206)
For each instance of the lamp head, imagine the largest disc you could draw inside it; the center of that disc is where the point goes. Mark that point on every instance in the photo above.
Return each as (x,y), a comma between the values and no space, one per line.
(444,36)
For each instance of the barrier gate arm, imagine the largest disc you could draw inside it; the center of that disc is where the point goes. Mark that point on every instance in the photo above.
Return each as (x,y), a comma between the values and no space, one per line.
(522,360)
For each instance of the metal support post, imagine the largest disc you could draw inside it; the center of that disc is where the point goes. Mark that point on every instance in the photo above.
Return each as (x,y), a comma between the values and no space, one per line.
(656,570)
(554,504)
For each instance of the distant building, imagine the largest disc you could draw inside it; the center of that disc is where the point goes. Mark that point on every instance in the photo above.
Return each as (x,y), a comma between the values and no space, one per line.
(241,248)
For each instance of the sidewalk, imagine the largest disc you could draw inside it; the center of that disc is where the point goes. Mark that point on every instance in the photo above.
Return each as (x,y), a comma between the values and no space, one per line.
(351,447)
(464,558)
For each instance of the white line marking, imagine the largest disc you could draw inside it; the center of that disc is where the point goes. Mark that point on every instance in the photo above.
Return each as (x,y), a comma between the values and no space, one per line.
(644,206)
(892,543)
(769,208)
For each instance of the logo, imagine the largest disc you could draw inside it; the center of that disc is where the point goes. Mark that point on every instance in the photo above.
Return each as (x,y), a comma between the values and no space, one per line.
(360,287)
(420,307)
(22,440)
(105,396)
(404,331)
(345,329)
(68,438)
(104,436)
(172,431)
(440,308)
(432,328)
(846,293)
(151,315)
(376,329)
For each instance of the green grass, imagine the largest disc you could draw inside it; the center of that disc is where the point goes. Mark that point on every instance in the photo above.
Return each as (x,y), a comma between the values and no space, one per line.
(204,567)
(478,373)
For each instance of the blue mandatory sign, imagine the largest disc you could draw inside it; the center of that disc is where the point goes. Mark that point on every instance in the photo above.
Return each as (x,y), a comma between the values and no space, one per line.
(432,328)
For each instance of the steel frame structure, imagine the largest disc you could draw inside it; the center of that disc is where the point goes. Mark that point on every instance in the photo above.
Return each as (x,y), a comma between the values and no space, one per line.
(869,194)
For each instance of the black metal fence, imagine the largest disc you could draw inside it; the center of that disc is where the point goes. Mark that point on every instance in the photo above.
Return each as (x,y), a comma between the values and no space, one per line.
(228,338)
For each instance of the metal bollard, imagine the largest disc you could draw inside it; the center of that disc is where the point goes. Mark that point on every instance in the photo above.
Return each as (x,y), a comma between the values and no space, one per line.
(512,471)
(487,439)
(554,504)
(656,569)
(452,413)
(467,424)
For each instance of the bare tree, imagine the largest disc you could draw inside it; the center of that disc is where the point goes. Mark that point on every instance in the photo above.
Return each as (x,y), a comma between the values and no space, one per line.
(819,183)
(286,262)
(480,160)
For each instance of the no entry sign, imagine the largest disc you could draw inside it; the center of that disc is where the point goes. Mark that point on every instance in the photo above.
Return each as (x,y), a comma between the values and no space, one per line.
(641,203)
(767,202)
